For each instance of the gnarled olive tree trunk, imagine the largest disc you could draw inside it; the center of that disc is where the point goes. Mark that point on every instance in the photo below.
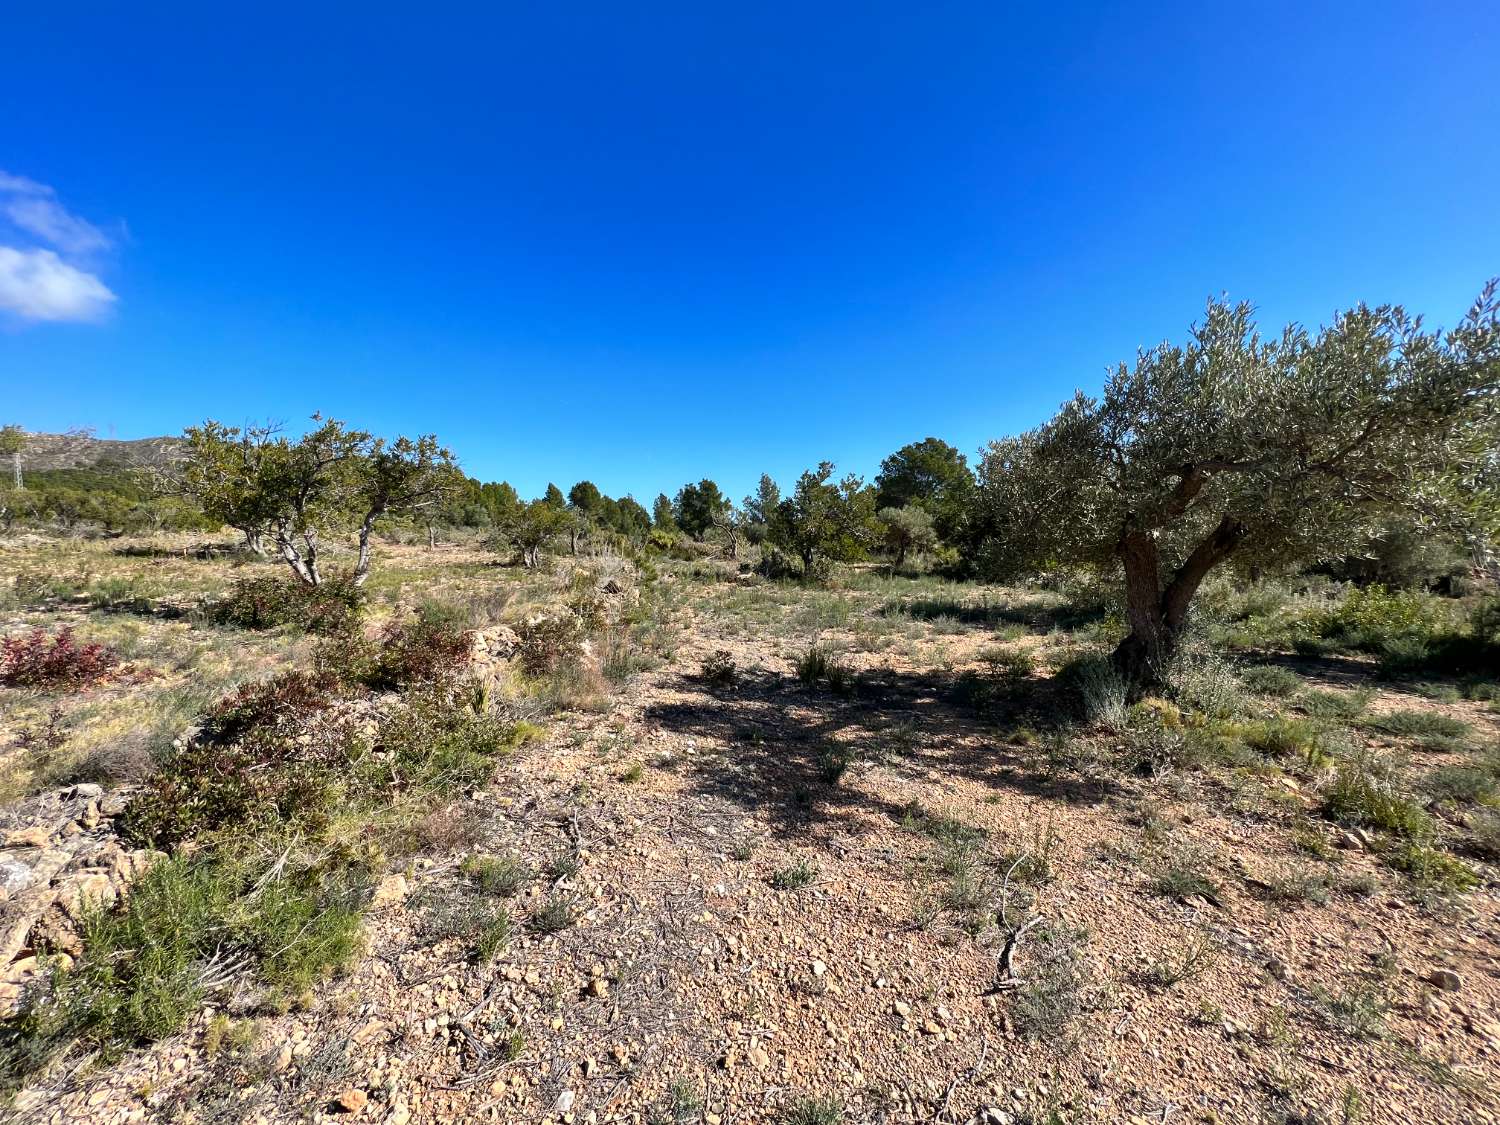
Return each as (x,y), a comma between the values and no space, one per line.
(1156,612)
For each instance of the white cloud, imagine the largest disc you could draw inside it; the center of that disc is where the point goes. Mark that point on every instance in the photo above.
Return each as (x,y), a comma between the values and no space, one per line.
(38,285)
(36,282)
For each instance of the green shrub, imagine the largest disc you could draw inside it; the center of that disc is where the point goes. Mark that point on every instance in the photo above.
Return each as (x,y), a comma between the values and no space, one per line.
(813,665)
(268,601)
(553,916)
(1271,679)
(188,923)
(1423,726)
(1431,868)
(1343,705)
(1463,784)
(498,875)
(794,876)
(1367,797)
(814,1111)
(1373,613)
(1096,689)
(1286,738)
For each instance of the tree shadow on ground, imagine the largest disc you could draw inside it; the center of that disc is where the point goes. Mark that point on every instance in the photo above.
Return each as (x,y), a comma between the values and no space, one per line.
(987,614)
(793,753)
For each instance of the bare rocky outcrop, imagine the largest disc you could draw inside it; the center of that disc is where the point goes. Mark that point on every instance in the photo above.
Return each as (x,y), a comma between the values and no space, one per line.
(59,853)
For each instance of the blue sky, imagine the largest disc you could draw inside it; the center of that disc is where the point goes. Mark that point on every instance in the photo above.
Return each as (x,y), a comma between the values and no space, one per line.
(645,243)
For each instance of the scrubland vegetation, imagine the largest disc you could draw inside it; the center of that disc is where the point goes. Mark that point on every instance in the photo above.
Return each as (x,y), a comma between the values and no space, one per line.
(1151,769)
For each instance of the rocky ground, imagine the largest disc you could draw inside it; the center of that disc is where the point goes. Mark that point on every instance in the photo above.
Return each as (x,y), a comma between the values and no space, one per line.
(748,898)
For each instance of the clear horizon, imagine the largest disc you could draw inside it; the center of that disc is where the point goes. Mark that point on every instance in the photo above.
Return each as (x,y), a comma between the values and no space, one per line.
(649,247)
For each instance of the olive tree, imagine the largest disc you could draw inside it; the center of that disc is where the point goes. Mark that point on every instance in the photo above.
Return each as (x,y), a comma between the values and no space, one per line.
(906,530)
(1270,450)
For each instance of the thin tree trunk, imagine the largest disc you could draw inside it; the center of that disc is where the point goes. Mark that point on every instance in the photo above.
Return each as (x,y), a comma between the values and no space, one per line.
(362,566)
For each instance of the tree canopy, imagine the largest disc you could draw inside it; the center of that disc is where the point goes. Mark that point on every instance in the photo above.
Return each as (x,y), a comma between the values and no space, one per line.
(1270,450)
(931,475)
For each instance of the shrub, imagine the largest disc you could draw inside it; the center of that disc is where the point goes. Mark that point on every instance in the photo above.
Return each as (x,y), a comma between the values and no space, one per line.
(1096,688)
(553,916)
(1364,795)
(498,875)
(794,876)
(1431,868)
(1368,615)
(1205,682)
(421,652)
(1286,738)
(813,665)
(1465,784)
(1270,679)
(1182,872)
(187,923)
(814,1111)
(719,670)
(37,659)
(266,752)
(268,601)
(1334,704)
(548,644)
(1053,976)
(1421,725)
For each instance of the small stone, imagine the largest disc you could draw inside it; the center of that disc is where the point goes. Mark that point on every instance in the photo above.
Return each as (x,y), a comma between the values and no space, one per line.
(1279,969)
(597,986)
(353,1100)
(392,891)
(819,968)
(1446,979)
(759,1059)
(564,1101)
(901,1008)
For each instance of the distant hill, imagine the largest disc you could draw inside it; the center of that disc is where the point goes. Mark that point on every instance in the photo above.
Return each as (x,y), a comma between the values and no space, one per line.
(46,452)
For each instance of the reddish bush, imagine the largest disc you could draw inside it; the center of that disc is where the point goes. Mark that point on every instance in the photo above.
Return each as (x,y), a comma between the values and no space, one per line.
(419,653)
(36,659)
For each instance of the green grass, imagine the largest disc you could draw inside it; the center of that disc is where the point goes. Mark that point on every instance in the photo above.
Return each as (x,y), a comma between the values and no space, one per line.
(794,876)
(188,924)
(498,875)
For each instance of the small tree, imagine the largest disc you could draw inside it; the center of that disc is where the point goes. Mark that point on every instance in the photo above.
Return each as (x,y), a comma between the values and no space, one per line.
(697,507)
(906,530)
(730,524)
(12,443)
(821,519)
(760,507)
(931,475)
(532,527)
(330,480)
(403,477)
(223,472)
(661,513)
(1270,451)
